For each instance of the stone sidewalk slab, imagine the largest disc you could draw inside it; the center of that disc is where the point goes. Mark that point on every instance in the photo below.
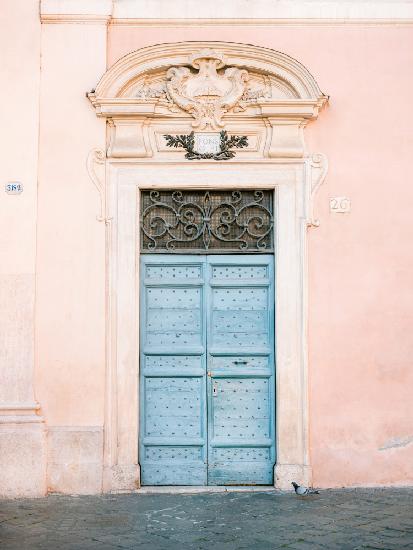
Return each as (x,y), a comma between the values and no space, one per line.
(356,519)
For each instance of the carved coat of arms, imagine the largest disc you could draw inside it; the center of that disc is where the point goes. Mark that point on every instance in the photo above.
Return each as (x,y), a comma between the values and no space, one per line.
(207,95)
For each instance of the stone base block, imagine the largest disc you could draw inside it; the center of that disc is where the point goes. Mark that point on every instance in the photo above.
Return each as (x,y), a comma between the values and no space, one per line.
(75,460)
(284,474)
(22,459)
(121,478)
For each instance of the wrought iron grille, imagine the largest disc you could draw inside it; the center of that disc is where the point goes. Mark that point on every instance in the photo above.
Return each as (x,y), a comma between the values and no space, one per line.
(207,221)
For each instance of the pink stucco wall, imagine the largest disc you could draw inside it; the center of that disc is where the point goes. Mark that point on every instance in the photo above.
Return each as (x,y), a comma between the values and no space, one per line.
(361,264)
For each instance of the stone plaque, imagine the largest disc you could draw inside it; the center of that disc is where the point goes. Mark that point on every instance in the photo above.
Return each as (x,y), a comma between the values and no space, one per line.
(209,143)
(340,205)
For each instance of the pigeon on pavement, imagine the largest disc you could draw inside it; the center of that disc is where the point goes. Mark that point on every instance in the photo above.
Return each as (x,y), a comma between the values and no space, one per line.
(303,491)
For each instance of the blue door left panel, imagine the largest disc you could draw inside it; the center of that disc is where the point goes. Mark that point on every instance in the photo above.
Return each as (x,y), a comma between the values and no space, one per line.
(173,441)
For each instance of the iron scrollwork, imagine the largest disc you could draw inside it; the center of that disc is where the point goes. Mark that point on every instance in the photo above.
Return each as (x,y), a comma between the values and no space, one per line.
(206,221)
(187,142)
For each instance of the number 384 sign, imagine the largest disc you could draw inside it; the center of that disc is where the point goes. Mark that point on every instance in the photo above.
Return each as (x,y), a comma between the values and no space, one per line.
(14,188)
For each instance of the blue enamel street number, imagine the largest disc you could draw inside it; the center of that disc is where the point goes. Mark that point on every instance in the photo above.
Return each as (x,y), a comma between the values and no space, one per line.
(207,370)
(13,188)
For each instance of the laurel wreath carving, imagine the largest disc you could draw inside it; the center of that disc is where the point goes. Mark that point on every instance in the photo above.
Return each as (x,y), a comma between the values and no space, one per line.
(227,143)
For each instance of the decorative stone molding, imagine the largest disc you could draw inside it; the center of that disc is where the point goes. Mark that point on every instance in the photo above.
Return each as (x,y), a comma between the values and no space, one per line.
(286,138)
(129,138)
(266,22)
(93,12)
(20,413)
(174,88)
(96,169)
(158,12)
(319,168)
(207,95)
(230,82)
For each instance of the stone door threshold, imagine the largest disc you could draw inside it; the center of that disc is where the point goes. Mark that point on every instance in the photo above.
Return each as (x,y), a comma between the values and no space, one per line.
(181,489)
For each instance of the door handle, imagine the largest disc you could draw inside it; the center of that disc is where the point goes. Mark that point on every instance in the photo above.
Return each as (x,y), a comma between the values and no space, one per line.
(239,362)
(209,373)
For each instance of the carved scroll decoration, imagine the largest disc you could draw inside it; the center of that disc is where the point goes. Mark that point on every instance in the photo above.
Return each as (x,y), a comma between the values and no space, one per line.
(96,169)
(319,168)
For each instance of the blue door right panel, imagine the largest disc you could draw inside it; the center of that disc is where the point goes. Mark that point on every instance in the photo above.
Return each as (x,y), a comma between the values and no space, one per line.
(240,359)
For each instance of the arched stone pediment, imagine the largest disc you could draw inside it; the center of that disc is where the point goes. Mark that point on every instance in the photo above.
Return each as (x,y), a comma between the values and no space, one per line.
(273,77)
(207,86)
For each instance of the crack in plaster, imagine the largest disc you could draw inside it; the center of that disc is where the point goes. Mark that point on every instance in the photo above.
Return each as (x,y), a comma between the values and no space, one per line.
(397,442)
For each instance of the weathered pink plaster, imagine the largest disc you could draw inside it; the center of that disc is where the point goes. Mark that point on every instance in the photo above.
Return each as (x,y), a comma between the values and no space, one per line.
(361,263)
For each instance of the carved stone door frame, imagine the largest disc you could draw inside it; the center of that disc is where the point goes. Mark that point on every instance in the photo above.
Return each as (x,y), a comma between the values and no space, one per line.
(276,99)
(291,182)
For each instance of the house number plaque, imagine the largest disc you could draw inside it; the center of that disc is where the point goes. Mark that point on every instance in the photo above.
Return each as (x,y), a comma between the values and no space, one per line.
(13,188)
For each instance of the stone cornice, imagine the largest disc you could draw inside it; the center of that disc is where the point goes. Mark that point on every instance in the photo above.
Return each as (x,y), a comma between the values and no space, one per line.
(256,22)
(20,413)
(263,10)
(293,109)
(181,13)
(57,19)
(76,11)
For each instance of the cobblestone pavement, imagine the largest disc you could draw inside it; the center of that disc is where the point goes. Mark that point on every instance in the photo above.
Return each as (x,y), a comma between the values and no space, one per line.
(346,519)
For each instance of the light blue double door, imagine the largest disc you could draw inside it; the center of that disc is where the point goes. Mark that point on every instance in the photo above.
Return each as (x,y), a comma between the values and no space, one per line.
(207,370)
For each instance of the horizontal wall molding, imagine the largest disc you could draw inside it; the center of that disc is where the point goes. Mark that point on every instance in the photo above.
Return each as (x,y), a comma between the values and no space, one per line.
(264,9)
(76,11)
(54,18)
(171,23)
(163,13)
(75,428)
(20,413)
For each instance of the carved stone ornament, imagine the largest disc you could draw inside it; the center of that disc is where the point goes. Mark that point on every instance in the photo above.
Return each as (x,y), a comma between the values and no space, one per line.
(222,152)
(206,87)
(95,165)
(206,95)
